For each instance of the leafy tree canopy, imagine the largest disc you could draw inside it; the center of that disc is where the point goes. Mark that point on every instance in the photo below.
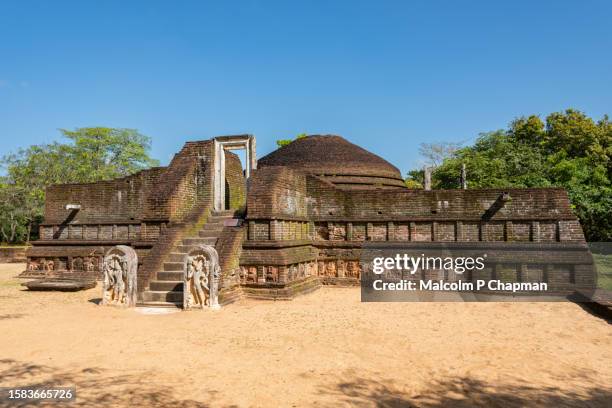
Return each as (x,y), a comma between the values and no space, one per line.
(92,154)
(568,149)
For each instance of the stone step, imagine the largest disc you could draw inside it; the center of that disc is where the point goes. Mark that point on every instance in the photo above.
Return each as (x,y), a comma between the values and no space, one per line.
(199,241)
(167,289)
(169,276)
(173,266)
(218,218)
(186,248)
(225,213)
(166,285)
(173,305)
(217,226)
(176,256)
(208,234)
(162,296)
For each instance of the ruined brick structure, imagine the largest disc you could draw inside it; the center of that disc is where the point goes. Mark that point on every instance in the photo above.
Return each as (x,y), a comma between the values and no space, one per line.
(310,207)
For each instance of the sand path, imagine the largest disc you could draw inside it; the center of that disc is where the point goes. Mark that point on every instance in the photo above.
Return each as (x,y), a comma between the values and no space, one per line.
(321,349)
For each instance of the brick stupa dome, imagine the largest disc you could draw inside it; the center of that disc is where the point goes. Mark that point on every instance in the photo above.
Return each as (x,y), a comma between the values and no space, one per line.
(338,161)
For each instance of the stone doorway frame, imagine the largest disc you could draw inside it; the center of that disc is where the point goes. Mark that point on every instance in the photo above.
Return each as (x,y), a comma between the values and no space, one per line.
(223,143)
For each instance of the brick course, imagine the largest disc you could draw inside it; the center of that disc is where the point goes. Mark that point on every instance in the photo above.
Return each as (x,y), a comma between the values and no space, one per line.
(310,209)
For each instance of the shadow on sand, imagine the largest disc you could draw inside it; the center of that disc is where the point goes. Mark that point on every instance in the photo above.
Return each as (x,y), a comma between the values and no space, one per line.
(464,393)
(11,316)
(94,387)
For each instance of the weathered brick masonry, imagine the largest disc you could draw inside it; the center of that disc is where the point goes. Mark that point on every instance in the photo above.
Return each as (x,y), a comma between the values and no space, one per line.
(310,208)
(310,213)
(12,254)
(150,211)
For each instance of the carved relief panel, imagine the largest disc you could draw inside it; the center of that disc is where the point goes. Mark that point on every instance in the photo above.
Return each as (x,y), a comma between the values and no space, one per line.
(201,278)
(120,268)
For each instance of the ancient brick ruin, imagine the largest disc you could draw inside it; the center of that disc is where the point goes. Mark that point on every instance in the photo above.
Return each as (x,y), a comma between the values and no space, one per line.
(310,207)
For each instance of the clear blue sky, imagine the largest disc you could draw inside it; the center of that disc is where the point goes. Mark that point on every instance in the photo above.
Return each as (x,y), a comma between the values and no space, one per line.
(386,75)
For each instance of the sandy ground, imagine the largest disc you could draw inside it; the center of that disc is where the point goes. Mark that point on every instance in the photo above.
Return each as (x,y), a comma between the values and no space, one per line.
(323,349)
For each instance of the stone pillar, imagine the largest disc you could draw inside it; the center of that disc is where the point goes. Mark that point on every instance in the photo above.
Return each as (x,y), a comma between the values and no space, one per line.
(311,230)
(282,274)
(521,273)
(535,231)
(251,234)
(463,177)
(427,178)
(261,274)
(508,231)
(459,231)
(275,233)
(252,154)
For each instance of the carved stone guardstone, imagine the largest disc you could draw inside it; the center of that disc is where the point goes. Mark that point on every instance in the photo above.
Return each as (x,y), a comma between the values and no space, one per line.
(201,278)
(120,268)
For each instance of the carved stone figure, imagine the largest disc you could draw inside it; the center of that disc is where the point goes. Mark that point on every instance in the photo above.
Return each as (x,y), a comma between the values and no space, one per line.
(271,274)
(341,268)
(77,264)
(251,276)
(201,278)
(120,268)
(89,264)
(352,269)
(321,268)
(331,269)
(293,270)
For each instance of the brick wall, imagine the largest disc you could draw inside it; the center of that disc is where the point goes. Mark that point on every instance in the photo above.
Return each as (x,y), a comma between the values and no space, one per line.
(186,182)
(113,200)
(295,219)
(12,254)
(149,211)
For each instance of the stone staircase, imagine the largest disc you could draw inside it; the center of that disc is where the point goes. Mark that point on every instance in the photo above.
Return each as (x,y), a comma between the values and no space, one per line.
(166,289)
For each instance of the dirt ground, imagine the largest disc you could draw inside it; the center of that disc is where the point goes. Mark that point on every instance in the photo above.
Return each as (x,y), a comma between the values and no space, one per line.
(322,349)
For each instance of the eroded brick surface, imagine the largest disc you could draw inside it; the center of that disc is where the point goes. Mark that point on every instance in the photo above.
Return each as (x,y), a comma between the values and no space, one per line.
(308,215)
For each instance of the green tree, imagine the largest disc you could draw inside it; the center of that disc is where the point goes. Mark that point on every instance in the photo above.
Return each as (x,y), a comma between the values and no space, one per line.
(568,149)
(285,142)
(495,160)
(13,213)
(92,154)
(414,179)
